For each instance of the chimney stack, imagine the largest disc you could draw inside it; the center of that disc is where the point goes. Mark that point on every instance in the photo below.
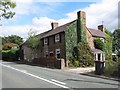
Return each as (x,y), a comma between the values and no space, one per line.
(54,25)
(82,15)
(101,27)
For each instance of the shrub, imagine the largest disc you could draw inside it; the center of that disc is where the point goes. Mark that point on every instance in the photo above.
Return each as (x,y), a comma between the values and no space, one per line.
(112,68)
(85,57)
(10,55)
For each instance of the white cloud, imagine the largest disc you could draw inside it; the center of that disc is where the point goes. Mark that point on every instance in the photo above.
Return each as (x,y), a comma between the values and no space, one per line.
(103,11)
(106,11)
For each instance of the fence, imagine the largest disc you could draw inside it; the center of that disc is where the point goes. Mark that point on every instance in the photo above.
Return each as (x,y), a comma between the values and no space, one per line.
(45,61)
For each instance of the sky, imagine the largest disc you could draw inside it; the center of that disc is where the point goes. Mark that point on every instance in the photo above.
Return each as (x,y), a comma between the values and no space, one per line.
(38,15)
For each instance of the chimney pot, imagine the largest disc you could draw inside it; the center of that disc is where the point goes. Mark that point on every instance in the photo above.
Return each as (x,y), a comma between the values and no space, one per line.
(54,25)
(101,27)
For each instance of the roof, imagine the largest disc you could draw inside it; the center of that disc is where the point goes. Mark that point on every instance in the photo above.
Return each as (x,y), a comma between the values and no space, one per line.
(59,29)
(96,33)
(97,51)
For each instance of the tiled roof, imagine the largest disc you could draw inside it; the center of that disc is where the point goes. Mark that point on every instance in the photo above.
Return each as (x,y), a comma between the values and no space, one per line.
(97,51)
(56,30)
(62,28)
(96,33)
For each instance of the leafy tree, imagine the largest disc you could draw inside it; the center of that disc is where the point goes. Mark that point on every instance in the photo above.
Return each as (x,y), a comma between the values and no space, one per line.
(98,44)
(6,7)
(108,32)
(12,39)
(116,41)
(8,46)
(33,40)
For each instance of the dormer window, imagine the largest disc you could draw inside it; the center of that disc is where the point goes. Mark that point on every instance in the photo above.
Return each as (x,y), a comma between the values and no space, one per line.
(45,41)
(57,37)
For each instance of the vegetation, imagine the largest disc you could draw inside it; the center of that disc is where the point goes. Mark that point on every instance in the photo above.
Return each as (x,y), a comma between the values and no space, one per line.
(12,39)
(98,44)
(33,42)
(85,57)
(116,42)
(78,52)
(6,7)
(10,55)
(112,67)
(70,42)
(8,46)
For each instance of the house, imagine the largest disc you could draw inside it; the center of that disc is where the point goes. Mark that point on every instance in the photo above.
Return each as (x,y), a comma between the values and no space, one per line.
(55,42)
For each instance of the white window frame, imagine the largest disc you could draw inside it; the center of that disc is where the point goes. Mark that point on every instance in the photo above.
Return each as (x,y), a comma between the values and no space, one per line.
(46,53)
(57,37)
(45,41)
(57,52)
(102,39)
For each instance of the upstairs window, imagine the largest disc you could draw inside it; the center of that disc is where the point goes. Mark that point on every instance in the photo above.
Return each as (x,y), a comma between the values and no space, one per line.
(45,41)
(57,37)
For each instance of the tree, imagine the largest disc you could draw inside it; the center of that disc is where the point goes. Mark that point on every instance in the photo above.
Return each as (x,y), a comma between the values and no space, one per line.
(108,32)
(33,40)
(12,39)
(6,7)
(116,41)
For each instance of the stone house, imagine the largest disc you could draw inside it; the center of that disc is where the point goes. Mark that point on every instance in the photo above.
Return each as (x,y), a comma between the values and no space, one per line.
(55,42)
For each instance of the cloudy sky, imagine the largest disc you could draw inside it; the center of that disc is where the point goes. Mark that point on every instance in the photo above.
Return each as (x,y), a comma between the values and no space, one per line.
(38,14)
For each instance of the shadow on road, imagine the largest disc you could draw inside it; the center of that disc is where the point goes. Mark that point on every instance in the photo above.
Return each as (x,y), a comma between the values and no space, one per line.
(89,81)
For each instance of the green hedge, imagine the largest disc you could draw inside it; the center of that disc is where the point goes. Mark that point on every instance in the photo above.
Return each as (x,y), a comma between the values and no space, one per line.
(10,55)
(113,68)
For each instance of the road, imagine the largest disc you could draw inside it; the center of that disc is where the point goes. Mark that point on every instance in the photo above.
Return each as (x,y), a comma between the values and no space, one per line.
(26,76)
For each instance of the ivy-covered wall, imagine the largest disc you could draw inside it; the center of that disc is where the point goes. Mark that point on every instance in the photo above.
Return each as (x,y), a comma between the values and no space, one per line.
(78,52)
(70,40)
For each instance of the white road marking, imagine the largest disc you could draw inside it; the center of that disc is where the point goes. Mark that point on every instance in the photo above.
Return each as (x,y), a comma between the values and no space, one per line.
(35,76)
(58,81)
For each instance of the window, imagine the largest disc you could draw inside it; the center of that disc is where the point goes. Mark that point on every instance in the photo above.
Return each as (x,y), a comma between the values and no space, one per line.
(51,54)
(46,53)
(102,39)
(57,53)
(45,41)
(57,37)
(99,56)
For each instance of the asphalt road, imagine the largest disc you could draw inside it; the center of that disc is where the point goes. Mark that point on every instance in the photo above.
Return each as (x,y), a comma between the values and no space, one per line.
(26,76)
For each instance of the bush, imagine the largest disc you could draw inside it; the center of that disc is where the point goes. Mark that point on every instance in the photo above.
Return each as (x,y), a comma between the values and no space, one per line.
(85,57)
(112,68)
(10,55)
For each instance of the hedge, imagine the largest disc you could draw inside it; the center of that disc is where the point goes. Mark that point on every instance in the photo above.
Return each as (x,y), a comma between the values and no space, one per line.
(10,55)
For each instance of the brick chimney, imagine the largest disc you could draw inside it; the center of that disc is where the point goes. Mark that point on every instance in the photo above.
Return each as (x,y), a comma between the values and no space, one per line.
(82,15)
(101,27)
(81,25)
(54,25)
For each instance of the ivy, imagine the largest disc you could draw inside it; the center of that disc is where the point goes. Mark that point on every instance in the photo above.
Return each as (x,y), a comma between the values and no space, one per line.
(78,52)
(98,44)
(70,40)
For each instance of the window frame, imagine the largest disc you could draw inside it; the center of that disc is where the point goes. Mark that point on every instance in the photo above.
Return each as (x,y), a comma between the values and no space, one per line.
(45,41)
(57,38)
(57,51)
